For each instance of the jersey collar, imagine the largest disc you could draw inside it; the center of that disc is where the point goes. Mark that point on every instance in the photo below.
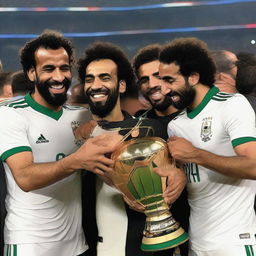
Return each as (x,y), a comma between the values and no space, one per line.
(214,90)
(44,110)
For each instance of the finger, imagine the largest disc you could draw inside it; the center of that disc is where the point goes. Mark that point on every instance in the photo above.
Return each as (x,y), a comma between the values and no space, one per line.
(107,142)
(172,138)
(160,172)
(106,161)
(98,171)
(104,168)
(171,198)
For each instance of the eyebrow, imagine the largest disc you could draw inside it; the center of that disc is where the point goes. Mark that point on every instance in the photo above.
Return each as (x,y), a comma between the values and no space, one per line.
(100,75)
(53,66)
(167,77)
(147,76)
(48,66)
(143,77)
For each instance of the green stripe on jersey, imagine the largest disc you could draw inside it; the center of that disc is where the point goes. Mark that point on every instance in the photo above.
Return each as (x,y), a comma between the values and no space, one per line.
(224,95)
(242,140)
(218,99)
(13,151)
(249,250)
(22,106)
(17,102)
(10,250)
(44,110)
(213,90)
(15,250)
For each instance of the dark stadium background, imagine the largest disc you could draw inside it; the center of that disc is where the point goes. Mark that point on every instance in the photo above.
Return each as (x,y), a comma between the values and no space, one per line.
(229,25)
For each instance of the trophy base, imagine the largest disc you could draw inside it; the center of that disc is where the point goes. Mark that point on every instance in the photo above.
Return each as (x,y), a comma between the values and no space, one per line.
(162,234)
(164,245)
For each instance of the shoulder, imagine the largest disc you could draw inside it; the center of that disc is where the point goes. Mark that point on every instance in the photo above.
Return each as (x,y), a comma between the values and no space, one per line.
(15,103)
(227,99)
(77,110)
(223,96)
(234,102)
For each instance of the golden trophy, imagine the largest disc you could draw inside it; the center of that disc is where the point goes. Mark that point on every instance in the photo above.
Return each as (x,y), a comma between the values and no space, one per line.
(135,178)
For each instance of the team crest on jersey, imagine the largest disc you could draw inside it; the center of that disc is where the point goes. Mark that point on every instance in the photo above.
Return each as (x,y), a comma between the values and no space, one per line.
(206,129)
(74,126)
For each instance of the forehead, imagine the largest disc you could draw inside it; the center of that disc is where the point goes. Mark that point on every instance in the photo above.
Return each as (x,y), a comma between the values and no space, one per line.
(168,69)
(101,67)
(149,68)
(231,56)
(56,57)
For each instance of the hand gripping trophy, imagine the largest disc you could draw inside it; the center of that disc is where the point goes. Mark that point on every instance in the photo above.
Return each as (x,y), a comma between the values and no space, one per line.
(135,178)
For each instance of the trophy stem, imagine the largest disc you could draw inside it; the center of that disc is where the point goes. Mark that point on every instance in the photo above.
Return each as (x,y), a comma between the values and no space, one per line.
(162,232)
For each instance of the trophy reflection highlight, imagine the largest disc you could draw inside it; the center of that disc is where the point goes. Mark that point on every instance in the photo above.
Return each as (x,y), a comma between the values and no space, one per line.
(134,177)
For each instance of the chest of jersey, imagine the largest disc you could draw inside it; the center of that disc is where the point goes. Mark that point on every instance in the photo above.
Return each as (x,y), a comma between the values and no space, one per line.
(52,139)
(209,131)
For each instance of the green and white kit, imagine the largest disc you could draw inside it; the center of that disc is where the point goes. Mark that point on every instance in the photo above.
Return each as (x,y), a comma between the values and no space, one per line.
(51,214)
(222,211)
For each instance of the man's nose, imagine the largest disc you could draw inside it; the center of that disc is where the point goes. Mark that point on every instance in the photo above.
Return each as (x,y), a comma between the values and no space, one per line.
(153,82)
(96,83)
(58,75)
(164,88)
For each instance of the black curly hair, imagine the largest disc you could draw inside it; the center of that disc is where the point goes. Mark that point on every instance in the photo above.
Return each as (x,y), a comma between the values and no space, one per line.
(105,50)
(49,39)
(145,55)
(191,55)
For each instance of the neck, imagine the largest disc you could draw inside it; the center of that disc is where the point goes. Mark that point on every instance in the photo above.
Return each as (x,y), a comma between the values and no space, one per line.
(170,110)
(201,91)
(226,83)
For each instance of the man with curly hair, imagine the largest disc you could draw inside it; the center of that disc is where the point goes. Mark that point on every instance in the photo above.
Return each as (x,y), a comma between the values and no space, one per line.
(42,157)
(107,74)
(215,138)
(146,67)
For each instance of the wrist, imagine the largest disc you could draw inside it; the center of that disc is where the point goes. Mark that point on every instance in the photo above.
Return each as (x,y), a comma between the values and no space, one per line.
(67,164)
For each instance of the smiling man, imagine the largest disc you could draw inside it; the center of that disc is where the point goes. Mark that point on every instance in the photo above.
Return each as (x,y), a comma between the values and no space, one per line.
(215,138)
(42,158)
(107,74)
(146,66)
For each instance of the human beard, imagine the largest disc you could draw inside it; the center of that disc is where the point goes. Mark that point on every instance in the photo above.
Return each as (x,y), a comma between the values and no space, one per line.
(102,109)
(56,99)
(160,105)
(186,96)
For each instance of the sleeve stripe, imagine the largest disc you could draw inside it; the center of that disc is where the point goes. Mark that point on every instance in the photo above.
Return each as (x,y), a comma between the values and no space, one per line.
(242,140)
(13,151)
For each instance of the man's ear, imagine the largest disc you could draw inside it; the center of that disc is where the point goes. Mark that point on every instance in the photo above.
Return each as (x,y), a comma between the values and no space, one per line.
(122,86)
(32,74)
(193,79)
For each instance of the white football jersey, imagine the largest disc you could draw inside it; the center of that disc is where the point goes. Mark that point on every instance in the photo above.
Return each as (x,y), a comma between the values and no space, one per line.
(221,206)
(52,213)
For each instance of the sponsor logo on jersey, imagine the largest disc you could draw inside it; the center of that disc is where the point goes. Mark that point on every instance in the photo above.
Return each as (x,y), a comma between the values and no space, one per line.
(206,129)
(41,139)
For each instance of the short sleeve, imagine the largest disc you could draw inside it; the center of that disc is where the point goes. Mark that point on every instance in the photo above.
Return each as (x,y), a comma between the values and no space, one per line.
(239,120)
(13,133)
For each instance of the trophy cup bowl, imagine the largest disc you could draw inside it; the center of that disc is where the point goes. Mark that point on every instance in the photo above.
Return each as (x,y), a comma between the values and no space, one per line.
(135,178)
